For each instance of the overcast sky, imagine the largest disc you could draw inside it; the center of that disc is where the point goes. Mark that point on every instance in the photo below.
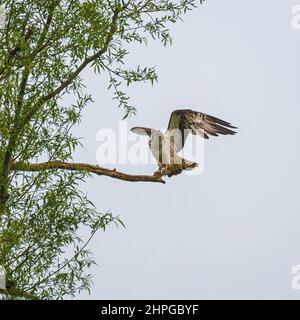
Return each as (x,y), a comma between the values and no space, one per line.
(234,230)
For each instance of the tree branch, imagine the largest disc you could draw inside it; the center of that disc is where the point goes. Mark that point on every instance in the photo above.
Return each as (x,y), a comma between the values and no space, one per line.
(16,292)
(113,173)
(73,75)
(87,61)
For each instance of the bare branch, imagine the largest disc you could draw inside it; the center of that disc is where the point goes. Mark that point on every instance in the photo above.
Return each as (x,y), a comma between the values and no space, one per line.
(22,166)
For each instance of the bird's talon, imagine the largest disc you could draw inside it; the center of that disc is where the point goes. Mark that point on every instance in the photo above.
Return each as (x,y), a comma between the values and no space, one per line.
(158,173)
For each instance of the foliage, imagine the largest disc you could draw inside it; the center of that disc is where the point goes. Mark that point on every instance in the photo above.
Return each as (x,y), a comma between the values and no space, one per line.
(44,46)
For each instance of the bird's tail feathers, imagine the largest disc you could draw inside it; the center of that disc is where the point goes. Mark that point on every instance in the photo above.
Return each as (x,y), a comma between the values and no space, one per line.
(189,165)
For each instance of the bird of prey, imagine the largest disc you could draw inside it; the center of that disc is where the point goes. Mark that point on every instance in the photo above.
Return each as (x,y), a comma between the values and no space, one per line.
(164,147)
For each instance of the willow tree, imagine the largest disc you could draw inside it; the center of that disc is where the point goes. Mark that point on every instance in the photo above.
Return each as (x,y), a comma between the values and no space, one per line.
(44,47)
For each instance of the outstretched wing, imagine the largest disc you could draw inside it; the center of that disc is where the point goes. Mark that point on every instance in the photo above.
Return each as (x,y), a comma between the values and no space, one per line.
(142,131)
(188,121)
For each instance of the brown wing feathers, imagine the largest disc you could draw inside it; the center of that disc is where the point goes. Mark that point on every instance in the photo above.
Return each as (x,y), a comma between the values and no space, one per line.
(200,123)
(142,131)
(214,126)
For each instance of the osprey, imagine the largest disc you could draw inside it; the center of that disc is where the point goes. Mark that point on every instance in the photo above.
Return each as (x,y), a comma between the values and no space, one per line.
(164,147)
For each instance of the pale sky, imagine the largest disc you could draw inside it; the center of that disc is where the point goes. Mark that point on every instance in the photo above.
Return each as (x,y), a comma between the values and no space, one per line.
(234,230)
